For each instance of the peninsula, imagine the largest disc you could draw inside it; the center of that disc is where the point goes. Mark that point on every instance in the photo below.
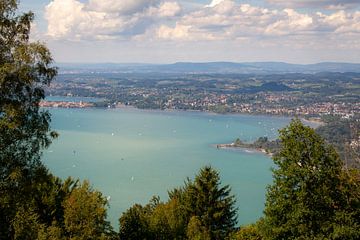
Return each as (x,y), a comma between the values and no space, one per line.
(262,144)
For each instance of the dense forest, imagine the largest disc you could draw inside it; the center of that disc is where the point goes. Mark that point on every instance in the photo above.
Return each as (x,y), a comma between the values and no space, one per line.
(312,197)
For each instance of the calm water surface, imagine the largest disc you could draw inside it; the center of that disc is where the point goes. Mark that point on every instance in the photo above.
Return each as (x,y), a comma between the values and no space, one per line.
(131,155)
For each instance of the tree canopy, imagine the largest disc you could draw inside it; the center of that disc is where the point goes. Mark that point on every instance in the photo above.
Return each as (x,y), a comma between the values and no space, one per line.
(211,204)
(25,67)
(202,209)
(311,192)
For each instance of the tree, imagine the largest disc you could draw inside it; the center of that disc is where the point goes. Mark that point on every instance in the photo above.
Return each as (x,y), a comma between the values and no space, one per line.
(25,68)
(196,231)
(134,224)
(160,222)
(308,196)
(249,232)
(176,218)
(346,223)
(145,222)
(33,203)
(199,210)
(211,204)
(26,224)
(85,214)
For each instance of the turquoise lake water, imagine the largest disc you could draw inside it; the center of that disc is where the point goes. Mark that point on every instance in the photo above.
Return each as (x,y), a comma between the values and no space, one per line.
(132,155)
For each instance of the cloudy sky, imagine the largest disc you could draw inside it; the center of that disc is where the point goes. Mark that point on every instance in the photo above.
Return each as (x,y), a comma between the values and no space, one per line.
(167,31)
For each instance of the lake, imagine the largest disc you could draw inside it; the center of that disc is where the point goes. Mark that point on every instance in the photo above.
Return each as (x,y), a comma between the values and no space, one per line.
(132,155)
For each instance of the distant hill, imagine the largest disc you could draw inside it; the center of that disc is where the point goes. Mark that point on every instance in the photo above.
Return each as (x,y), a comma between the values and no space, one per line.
(215,67)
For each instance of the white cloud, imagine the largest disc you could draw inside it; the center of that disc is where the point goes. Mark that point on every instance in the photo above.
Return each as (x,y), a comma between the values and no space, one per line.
(214,3)
(70,19)
(346,23)
(291,22)
(104,19)
(227,20)
(122,6)
(178,32)
(221,20)
(165,9)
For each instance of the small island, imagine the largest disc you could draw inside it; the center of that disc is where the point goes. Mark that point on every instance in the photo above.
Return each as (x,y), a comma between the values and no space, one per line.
(262,144)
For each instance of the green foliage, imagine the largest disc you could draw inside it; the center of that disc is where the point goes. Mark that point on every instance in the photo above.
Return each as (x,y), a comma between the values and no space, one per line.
(24,69)
(238,142)
(85,213)
(309,196)
(48,196)
(262,143)
(340,132)
(163,221)
(134,223)
(200,210)
(347,217)
(24,129)
(52,232)
(211,203)
(249,232)
(25,224)
(38,215)
(196,231)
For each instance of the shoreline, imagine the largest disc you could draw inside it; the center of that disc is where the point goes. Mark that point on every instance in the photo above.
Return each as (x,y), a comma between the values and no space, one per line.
(232,146)
(58,104)
(316,121)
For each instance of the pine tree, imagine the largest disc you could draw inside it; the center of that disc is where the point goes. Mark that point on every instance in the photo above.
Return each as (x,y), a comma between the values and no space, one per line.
(202,209)
(211,204)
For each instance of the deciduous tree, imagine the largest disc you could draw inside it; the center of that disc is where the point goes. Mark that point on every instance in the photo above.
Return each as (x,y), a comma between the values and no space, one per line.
(308,196)
(85,214)
(25,68)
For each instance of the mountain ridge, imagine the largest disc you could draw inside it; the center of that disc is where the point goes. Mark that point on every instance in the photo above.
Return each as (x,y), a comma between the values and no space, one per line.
(216,67)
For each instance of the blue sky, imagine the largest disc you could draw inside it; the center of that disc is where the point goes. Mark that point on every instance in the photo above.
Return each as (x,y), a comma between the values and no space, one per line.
(166,31)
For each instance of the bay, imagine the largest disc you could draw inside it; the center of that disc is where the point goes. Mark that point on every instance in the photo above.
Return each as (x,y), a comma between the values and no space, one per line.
(131,155)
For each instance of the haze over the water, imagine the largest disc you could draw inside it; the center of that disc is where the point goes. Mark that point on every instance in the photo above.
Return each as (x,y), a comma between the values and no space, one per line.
(168,31)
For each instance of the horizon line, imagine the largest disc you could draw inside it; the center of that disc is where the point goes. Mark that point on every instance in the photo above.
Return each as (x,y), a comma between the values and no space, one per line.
(196,62)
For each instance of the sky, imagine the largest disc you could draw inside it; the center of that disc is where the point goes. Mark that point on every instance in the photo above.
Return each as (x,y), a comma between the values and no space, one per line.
(168,31)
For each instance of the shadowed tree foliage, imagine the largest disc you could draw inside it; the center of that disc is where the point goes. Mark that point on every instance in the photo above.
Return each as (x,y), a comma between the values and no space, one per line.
(33,203)
(135,222)
(311,197)
(24,71)
(25,68)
